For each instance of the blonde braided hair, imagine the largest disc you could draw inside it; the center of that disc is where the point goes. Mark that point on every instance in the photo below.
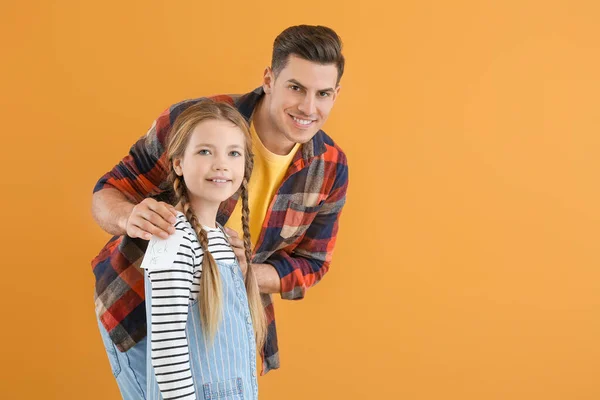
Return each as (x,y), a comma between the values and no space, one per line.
(210,299)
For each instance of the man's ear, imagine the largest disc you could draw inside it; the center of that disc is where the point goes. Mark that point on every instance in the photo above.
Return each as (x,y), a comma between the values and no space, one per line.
(268,80)
(336,93)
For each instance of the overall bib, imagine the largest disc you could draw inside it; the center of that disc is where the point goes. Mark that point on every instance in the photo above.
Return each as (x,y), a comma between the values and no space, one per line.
(227,368)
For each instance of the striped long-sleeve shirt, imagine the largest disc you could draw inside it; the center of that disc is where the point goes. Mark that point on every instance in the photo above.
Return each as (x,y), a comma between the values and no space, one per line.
(174,286)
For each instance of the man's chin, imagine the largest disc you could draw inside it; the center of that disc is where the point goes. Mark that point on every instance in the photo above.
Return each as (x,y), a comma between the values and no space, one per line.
(301,136)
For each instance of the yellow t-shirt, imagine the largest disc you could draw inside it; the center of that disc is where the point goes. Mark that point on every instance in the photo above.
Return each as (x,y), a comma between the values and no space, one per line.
(267,175)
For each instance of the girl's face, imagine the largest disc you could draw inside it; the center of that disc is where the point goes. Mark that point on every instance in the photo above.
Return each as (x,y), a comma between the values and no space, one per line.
(213,162)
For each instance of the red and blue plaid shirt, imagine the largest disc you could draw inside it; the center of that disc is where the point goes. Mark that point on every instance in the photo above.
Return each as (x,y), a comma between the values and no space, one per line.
(297,237)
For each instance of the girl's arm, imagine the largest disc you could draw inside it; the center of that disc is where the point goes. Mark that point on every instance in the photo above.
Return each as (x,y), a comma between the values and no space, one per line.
(171,286)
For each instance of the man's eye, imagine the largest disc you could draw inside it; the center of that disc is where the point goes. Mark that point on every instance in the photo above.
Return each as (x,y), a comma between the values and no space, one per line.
(295,88)
(324,94)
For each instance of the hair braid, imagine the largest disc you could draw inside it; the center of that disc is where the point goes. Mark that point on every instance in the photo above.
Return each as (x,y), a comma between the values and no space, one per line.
(210,303)
(257,310)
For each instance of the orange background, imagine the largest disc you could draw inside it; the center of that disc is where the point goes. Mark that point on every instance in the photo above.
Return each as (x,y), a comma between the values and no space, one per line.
(467,263)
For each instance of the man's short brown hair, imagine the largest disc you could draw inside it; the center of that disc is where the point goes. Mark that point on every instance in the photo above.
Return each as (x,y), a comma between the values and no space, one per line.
(318,44)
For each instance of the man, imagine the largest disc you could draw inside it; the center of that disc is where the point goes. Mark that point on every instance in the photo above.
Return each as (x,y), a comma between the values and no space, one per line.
(297,191)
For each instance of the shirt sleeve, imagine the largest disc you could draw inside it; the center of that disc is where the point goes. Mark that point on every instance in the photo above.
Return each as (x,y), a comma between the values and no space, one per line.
(141,173)
(171,288)
(309,261)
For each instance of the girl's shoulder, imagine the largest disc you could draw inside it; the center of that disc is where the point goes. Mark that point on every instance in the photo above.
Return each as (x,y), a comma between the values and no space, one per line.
(214,234)
(176,248)
(183,225)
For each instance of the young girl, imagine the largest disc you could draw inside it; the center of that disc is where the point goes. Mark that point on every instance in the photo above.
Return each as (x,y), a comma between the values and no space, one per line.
(204,319)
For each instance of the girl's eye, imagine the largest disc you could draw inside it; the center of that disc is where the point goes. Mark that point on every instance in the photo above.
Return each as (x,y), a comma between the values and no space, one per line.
(204,152)
(235,153)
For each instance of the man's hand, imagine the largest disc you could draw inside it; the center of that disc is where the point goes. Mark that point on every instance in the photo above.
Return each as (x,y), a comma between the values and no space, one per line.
(151,217)
(266,276)
(237,244)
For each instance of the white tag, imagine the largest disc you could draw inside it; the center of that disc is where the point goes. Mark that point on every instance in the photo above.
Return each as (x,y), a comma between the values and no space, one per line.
(161,253)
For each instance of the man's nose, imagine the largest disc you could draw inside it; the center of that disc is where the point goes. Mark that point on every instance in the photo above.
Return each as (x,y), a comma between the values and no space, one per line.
(308,106)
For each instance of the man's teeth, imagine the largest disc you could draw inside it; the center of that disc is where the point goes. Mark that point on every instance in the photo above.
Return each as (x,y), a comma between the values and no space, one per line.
(302,121)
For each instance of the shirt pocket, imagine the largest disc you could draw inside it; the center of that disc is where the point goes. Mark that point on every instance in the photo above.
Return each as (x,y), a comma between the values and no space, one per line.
(231,389)
(298,218)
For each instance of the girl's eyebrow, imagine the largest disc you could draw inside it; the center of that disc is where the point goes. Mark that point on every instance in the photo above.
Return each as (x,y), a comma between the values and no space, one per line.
(232,146)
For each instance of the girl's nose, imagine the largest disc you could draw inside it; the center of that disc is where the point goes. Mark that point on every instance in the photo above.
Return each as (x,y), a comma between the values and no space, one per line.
(220,165)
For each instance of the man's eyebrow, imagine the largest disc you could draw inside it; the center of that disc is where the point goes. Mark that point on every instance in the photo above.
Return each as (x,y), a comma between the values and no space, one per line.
(295,82)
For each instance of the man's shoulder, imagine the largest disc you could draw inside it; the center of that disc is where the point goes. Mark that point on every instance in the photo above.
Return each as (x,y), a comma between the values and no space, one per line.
(175,109)
(329,149)
(244,102)
(226,98)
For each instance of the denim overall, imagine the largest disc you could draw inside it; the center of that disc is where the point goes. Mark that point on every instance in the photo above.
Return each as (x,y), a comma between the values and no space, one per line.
(227,368)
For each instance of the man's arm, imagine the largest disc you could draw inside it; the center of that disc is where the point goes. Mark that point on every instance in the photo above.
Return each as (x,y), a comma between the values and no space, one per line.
(310,260)
(111,210)
(118,216)
(292,274)
(120,204)
(267,278)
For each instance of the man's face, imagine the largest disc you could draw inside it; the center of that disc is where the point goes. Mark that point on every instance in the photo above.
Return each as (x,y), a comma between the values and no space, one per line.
(301,97)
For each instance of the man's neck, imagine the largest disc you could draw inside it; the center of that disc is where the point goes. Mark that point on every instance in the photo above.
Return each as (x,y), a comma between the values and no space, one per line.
(269,136)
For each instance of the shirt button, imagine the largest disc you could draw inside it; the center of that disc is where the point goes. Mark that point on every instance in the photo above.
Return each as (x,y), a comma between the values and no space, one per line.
(254,374)
(249,319)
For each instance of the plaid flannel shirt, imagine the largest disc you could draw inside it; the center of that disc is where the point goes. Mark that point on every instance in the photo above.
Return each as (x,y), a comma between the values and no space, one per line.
(297,237)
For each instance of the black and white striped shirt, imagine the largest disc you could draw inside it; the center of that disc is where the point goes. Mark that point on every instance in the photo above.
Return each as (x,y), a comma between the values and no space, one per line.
(174,287)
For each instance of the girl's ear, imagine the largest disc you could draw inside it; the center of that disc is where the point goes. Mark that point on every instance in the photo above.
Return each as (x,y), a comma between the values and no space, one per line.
(177,166)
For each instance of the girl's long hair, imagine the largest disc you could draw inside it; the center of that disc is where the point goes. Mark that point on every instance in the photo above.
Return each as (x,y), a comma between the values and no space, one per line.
(211,294)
